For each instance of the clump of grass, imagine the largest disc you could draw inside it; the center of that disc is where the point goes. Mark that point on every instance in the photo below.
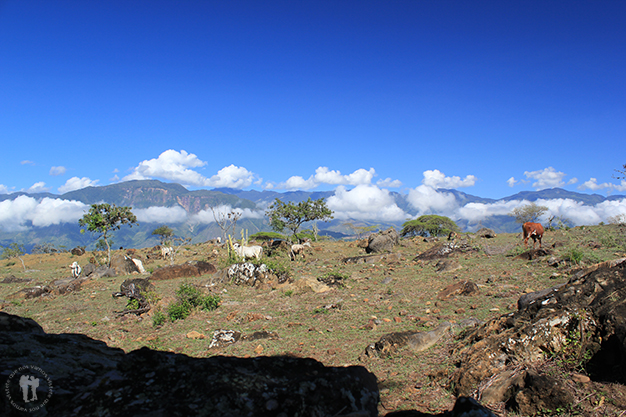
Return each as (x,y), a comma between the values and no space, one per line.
(189,297)
(132,304)
(158,318)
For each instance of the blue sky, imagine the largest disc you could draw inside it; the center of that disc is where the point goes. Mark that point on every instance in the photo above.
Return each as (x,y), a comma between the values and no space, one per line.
(488,97)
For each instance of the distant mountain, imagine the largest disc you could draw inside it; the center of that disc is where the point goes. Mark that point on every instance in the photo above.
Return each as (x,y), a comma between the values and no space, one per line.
(150,193)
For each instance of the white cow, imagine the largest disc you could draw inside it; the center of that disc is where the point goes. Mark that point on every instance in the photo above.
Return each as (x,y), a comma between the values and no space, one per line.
(76,270)
(298,249)
(166,251)
(248,251)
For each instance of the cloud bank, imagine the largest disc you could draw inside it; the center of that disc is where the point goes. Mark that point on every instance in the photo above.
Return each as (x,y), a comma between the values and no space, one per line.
(24,211)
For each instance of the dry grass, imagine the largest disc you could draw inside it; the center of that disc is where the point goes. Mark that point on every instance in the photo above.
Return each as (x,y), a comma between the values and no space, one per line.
(330,326)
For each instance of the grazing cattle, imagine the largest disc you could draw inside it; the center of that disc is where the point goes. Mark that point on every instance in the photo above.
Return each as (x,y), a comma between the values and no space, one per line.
(75,269)
(298,249)
(166,251)
(534,230)
(248,251)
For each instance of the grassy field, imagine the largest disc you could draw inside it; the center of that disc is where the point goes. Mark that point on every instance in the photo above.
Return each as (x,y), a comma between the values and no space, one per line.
(333,327)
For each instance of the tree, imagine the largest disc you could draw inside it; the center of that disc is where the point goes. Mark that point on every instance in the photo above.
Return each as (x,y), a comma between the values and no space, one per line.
(103,218)
(226,220)
(528,213)
(622,172)
(429,225)
(165,233)
(14,250)
(291,216)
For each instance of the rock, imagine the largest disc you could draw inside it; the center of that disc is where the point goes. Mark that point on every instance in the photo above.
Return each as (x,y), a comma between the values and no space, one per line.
(367,259)
(78,251)
(89,378)
(460,288)
(123,265)
(486,233)
(188,269)
(136,289)
(446,265)
(390,343)
(89,269)
(444,250)
(534,254)
(382,241)
(195,335)
(14,280)
(592,303)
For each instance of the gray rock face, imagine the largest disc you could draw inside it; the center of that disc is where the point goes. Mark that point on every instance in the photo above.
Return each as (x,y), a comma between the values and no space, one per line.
(88,378)
(383,241)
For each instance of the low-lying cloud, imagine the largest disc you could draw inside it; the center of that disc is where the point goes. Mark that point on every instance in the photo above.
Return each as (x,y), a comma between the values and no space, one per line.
(24,212)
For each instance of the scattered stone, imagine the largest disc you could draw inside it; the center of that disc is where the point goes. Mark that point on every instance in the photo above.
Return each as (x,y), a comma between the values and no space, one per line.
(12,279)
(460,288)
(486,233)
(195,335)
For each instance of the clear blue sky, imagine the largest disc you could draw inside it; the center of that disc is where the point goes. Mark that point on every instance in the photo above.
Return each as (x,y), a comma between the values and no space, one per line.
(489,97)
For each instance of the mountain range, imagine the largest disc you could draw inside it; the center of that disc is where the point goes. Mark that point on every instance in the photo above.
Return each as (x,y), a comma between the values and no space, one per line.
(143,194)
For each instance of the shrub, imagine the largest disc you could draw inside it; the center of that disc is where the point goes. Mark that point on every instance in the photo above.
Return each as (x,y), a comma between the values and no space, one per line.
(158,318)
(189,297)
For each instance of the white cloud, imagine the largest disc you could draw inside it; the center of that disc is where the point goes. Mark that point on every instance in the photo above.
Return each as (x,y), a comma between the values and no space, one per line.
(38,187)
(365,202)
(232,177)
(170,165)
(55,171)
(427,200)
(548,178)
(323,175)
(511,181)
(389,183)
(206,216)
(177,166)
(27,162)
(155,214)
(476,212)
(437,179)
(577,212)
(76,183)
(20,213)
(3,189)
(593,185)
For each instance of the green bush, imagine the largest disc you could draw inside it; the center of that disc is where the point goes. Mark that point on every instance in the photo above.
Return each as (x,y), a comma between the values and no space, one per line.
(574,255)
(179,310)
(158,318)
(189,297)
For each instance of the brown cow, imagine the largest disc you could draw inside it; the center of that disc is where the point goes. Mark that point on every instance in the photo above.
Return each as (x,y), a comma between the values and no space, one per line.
(534,230)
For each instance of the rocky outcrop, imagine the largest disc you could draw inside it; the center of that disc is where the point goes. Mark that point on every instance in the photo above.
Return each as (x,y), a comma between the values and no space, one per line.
(583,322)
(79,376)
(189,269)
(383,241)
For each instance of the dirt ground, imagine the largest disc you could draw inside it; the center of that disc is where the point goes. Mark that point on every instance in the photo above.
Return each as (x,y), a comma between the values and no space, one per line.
(335,327)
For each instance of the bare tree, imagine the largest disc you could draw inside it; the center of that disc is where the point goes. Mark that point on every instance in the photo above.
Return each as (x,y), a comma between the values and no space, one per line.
(622,172)
(226,220)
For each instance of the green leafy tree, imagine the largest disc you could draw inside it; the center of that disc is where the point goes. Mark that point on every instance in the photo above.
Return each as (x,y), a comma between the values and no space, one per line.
(291,216)
(103,218)
(528,213)
(14,250)
(165,233)
(429,225)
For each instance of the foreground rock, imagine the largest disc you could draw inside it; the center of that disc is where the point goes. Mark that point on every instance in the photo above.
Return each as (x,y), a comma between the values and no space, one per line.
(581,325)
(79,376)
(186,270)
(382,241)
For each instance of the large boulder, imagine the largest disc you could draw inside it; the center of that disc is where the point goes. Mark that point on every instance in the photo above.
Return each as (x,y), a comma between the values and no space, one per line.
(583,321)
(382,241)
(80,376)
(124,265)
(188,269)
